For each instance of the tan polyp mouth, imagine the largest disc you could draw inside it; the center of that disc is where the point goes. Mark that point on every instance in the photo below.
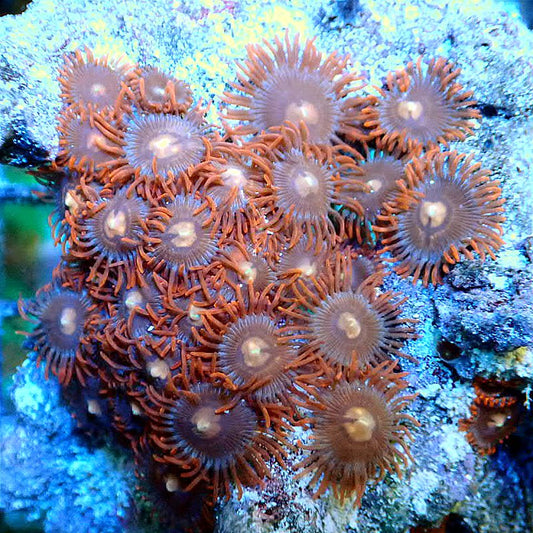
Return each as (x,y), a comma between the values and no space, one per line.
(133,299)
(255,351)
(497,420)
(185,234)
(410,109)
(93,407)
(361,424)
(304,110)
(206,422)
(172,483)
(164,146)
(305,184)
(158,369)
(349,324)
(194,315)
(158,90)
(115,224)
(71,203)
(433,214)
(95,139)
(248,271)
(234,177)
(307,268)
(67,321)
(98,89)
(374,184)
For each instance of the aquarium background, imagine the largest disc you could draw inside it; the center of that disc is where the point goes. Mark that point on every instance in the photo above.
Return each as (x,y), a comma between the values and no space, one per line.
(53,479)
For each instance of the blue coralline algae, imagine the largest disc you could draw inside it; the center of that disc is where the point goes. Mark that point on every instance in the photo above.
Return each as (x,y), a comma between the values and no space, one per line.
(52,475)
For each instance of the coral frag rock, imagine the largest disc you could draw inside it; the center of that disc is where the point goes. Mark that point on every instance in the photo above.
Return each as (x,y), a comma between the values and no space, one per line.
(223,294)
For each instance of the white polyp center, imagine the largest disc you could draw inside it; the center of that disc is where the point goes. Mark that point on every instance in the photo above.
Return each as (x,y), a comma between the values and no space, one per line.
(375,185)
(248,271)
(303,110)
(158,90)
(307,267)
(348,323)
(98,89)
(93,407)
(172,483)
(360,424)
(255,352)
(68,321)
(185,234)
(133,299)
(433,214)
(135,409)
(194,315)
(94,139)
(70,202)
(164,146)
(497,420)
(410,109)
(305,184)
(206,423)
(115,224)
(158,369)
(234,177)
